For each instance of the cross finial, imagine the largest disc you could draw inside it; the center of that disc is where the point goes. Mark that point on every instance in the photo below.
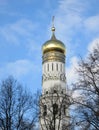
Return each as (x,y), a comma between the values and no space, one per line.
(53,21)
(53,28)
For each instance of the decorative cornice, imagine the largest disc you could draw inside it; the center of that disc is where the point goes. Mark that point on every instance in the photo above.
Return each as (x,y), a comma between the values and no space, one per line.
(53,56)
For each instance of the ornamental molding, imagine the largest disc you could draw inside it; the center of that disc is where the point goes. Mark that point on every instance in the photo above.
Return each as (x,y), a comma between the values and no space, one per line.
(53,56)
(54,76)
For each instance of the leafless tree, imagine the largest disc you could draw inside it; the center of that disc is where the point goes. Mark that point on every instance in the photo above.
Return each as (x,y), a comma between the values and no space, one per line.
(17,107)
(54,113)
(87,86)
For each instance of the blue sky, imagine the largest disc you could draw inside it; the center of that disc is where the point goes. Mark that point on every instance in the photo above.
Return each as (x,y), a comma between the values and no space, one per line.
(26,24)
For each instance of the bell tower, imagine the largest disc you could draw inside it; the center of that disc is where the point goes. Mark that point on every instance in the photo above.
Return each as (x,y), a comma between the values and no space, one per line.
(53,102)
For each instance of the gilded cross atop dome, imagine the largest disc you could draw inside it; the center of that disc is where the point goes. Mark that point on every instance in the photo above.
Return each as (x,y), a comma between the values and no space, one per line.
(53,28)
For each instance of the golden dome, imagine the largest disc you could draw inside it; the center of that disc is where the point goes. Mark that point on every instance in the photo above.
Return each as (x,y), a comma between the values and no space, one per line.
(53,44)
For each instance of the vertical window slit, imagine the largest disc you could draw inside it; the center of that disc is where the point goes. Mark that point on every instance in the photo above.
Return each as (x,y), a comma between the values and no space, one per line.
(61,67)
(52,66)
(44,68)
(48,67)
(57,67)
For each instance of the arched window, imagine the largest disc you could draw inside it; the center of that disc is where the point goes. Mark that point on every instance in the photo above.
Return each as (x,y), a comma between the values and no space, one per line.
(46,92)
(45,110)
(55,108)
(55,91)
(64,109)
(62,91)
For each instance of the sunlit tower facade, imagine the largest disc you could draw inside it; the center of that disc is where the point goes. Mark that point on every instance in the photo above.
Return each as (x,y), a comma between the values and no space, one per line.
(53,105)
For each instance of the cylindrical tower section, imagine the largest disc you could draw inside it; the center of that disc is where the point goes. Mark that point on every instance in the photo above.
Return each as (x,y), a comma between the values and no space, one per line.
(54,100)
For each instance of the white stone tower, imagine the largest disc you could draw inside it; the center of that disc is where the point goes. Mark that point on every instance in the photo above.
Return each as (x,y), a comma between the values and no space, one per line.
(53,102)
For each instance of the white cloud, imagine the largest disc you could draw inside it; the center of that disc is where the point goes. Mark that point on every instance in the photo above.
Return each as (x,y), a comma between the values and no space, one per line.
(71,73)
(22,29)
(72,6)
(71,18)
(33,47)
(92,23)
(18,68)
(71,70)
(93,44)
(21,33)
(76,94)
(69,21)
(75,24)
